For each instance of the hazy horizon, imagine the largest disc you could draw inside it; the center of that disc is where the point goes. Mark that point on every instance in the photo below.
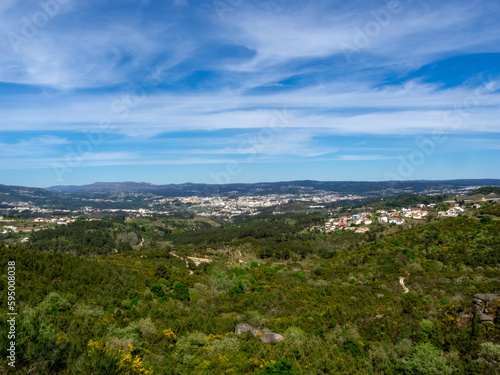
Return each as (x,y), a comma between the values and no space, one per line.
(256,182)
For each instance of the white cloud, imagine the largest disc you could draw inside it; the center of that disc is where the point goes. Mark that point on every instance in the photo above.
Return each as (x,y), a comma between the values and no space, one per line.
(75,52)
(32,147)
(362,157)
(411,108)
(418,33)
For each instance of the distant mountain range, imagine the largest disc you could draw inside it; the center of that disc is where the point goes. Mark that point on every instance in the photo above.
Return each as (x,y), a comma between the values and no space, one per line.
(292,187)
(71,194)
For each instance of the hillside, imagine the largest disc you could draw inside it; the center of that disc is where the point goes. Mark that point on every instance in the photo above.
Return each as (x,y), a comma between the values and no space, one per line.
(171,303)
(486,190)
(345,187)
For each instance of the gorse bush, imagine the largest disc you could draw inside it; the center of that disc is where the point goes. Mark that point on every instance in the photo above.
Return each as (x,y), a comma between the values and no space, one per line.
(427,360)
(335,298)
(281,367)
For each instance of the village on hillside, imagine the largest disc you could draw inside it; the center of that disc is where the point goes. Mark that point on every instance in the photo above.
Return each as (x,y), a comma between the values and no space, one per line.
(359,222)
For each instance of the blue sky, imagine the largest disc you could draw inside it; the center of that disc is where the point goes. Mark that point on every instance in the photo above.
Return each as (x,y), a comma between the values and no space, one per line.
(223,91)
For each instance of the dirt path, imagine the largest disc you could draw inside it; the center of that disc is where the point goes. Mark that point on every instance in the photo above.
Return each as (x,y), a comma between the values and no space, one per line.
(175,255)
(196,261)
(402,282)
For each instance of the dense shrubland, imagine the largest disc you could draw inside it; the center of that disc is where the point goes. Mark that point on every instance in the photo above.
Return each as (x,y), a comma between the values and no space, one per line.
(335,297)
(89,237)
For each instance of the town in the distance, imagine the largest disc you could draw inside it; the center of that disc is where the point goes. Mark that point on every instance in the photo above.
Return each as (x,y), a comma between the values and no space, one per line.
(355,206)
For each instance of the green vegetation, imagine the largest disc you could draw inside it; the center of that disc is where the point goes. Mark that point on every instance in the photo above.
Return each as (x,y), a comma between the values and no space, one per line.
(87,306)
(89,237)
(405,200)
(486,190)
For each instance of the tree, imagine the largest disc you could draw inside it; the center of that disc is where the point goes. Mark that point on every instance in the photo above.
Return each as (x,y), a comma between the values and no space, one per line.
(426,360)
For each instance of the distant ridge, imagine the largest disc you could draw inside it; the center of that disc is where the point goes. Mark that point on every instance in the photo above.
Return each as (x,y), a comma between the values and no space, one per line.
(104,187)
(344,187)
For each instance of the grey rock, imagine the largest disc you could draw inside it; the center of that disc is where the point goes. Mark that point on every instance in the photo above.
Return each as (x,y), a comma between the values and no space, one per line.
(380,295)
(465,318)
(255,332)
(486,318)
(242,328)
(271,338)
(487,297)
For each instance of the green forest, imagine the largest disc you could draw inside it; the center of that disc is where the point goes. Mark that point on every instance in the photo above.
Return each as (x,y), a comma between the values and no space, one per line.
(121,296)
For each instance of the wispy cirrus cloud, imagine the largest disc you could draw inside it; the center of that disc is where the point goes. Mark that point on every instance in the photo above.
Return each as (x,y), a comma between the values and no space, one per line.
(410,108)
(219,82)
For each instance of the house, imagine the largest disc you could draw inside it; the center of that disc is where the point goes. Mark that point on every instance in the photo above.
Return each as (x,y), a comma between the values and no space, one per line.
(476,206)
(396,220)
(383,219)
(39,220)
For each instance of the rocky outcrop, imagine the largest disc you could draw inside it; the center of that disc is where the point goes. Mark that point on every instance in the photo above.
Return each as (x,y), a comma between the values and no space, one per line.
(242,328)
(465,319)
(268,338)
(486,306)
(271,338)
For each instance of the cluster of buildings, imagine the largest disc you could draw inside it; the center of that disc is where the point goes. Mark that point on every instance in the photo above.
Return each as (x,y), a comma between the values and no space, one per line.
(24,206)
(452,211)
(9,228)
(360,221)
(348,221)
(225,206)
(60,221)
(398,216)
(250,204)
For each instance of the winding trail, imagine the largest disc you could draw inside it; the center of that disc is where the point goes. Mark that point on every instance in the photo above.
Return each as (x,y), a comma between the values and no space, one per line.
(402,282)
(196,261)
(187,265)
